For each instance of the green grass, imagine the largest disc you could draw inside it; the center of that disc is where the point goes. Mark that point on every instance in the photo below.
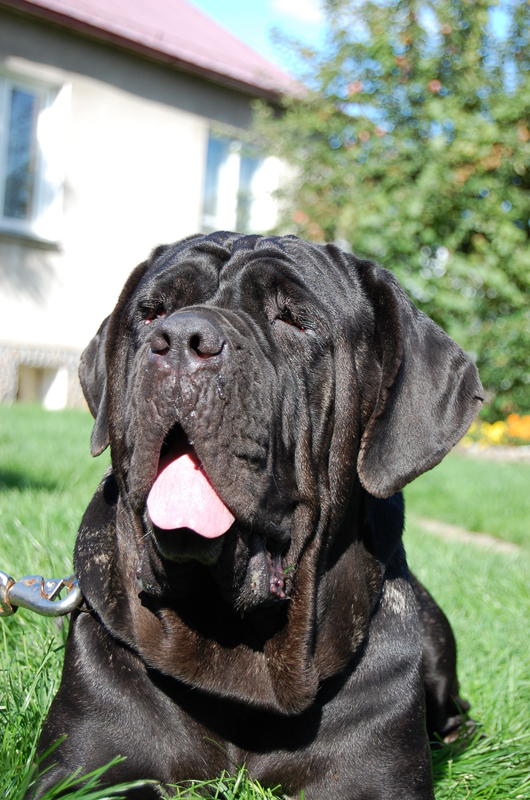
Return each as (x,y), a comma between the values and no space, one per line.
(48,478)
(477,494)
(487,598)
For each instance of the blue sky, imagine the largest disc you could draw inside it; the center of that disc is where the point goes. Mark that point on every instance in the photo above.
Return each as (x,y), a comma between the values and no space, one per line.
(252,20)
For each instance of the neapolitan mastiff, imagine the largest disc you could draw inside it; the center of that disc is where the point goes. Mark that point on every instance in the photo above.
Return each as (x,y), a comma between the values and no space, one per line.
(265,400)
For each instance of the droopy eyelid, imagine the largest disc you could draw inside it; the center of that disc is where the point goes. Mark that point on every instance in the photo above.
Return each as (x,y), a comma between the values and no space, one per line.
(286,315)
(149,313)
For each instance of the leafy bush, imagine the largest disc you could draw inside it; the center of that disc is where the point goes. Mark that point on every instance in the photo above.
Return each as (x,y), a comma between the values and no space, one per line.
(411,145)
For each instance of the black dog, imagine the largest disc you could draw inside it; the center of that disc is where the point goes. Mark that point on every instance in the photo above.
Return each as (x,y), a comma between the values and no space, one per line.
(265,400)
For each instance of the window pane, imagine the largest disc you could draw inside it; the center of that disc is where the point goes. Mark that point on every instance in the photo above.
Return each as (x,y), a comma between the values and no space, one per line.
(20,172)
(245,196)
(217,155)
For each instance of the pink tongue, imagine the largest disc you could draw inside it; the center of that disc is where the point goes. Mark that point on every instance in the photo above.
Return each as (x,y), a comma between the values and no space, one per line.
(182,497)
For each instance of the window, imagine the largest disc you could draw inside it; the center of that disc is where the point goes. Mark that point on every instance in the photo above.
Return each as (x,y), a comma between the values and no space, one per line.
(238,188)
(32,143)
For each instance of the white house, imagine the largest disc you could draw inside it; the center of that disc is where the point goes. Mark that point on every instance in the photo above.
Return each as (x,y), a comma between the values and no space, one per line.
(118,131)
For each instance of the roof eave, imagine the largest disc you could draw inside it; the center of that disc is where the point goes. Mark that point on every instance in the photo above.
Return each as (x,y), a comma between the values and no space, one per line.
(93,32)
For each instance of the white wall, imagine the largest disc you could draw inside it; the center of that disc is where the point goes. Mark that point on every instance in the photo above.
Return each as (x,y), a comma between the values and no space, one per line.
(134,172)
(134,176)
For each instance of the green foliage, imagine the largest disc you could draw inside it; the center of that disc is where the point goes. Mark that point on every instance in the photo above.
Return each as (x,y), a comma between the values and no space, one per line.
(411,144)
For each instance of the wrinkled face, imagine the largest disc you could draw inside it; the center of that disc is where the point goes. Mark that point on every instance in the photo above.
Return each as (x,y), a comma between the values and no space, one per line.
(222,387)
(247,385)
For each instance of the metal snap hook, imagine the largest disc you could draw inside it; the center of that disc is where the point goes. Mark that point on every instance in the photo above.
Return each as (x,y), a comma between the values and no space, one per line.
(37,594)
(6,582)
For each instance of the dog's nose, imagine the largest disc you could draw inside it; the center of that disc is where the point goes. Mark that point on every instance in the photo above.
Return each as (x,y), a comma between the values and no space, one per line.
(188,334)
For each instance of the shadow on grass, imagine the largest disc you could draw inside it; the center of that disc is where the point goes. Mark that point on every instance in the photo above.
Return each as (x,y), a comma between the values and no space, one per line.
(15,479)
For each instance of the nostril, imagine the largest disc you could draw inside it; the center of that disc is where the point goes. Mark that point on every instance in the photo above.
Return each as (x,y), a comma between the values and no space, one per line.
(160,343)
(206,344)
(195,343)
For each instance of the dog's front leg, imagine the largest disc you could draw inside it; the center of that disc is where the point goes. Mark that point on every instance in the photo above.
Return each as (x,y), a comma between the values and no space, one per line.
(109,705)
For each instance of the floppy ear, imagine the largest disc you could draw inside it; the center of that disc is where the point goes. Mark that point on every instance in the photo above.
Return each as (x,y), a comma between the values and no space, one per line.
(430,391)
(93,365)
(93,377)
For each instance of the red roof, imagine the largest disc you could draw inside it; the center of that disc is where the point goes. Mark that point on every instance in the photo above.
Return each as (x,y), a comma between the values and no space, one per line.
(171,30)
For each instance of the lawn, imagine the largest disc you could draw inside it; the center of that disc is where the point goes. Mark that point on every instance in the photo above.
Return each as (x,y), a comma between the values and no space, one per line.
(47,478)
(476,494)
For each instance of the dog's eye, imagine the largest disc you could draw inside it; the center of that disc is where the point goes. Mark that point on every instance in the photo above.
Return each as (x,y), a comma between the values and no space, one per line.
(287,316)
(157,313)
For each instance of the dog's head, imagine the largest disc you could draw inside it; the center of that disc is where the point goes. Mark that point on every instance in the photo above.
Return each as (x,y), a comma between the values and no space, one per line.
(244,382)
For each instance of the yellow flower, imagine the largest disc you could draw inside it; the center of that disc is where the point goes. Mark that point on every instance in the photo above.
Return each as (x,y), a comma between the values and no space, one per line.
(494,433)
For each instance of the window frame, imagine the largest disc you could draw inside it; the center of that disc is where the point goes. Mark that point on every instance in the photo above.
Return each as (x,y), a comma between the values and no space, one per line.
(236,199)
(49,141)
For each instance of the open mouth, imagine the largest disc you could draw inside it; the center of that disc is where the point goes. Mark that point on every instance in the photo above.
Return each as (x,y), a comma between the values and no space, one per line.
(182,496)
(189,519)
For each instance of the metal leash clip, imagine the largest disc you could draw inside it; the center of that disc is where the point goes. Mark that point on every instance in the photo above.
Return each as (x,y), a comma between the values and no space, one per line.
(39,595)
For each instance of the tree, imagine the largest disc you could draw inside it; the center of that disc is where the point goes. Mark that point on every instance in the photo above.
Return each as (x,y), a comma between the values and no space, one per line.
(411,144)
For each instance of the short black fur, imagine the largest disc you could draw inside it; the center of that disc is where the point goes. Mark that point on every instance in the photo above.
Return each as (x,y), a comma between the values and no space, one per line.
(297,643)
